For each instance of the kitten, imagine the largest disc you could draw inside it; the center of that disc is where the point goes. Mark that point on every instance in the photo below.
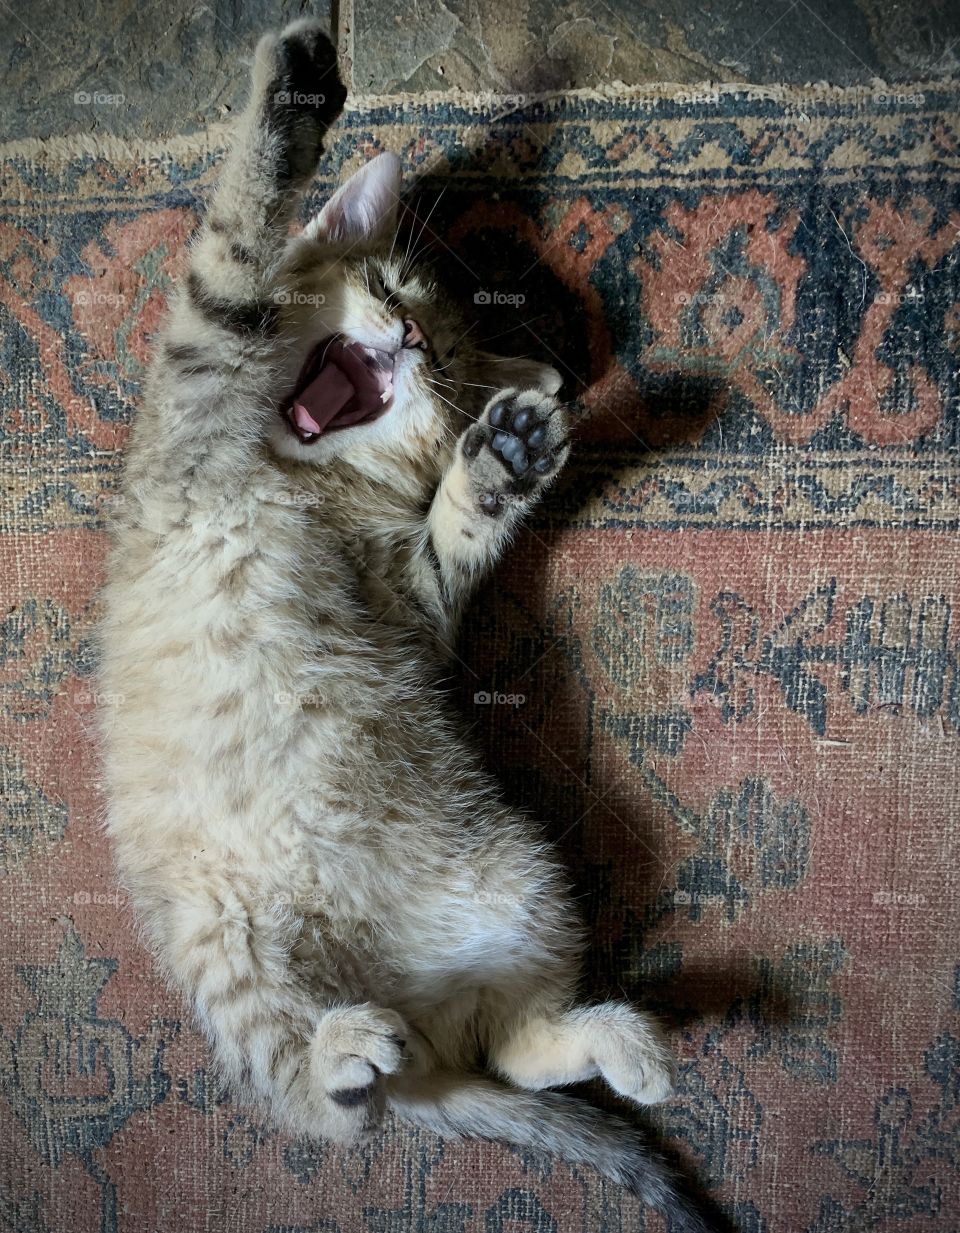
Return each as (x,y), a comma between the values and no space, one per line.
(312,491)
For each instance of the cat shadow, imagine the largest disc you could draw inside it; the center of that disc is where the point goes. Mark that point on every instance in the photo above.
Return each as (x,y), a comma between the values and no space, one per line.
(528,290)
(516,285)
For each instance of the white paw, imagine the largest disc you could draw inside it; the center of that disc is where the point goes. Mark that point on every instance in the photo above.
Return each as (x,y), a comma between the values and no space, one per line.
(352,1049)
(636,1060)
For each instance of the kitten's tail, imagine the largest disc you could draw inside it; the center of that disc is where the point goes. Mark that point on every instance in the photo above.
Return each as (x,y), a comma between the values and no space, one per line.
(457,1105)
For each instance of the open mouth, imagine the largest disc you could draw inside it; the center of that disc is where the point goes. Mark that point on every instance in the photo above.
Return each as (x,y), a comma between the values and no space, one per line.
(341,384)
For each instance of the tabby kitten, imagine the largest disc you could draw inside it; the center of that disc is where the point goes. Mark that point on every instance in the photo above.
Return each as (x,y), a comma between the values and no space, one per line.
(312,492)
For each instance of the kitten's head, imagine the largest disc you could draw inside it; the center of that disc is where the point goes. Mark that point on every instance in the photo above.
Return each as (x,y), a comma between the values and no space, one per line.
(392,368)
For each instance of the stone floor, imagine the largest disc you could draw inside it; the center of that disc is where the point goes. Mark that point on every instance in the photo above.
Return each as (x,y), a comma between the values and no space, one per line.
(161,66)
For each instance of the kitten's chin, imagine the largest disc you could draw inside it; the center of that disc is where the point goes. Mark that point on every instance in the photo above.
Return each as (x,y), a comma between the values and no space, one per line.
(282,442)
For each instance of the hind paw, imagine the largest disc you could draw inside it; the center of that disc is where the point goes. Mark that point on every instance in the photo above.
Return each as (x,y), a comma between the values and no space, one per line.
(296,75)
(637,1062)
(353,1048)
(360,1044)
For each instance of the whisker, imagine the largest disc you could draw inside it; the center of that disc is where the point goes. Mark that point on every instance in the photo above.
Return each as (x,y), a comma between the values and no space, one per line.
(406,256)
(512,329)
(444,367)
(396,232)
(459,410)
(420,252)
(414,251)
(430,215)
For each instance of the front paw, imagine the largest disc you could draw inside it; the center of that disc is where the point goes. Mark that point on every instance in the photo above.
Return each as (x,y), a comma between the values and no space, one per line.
(302,94)
(516,448)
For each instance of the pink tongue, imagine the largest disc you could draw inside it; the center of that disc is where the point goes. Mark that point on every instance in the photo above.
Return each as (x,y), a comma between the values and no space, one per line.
(353,384)
(325,396)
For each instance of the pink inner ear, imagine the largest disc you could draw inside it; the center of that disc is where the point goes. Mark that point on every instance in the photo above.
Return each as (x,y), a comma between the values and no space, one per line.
(365,204)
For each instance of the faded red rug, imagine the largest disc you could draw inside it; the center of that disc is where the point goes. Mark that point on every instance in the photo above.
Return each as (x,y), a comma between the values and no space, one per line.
(723,664)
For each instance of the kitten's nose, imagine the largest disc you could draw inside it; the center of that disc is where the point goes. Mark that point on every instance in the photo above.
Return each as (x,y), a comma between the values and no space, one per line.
(413,336)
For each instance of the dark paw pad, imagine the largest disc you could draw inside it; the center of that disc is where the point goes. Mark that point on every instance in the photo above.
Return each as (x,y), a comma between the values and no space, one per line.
(522,438)
(514,449)
(351,1097)
(474,440)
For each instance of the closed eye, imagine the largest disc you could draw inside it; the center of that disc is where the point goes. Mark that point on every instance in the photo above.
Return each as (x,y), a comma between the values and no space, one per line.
(380,288)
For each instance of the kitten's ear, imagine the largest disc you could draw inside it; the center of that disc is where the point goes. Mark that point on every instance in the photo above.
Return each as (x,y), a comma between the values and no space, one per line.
(363,208)
(522,374)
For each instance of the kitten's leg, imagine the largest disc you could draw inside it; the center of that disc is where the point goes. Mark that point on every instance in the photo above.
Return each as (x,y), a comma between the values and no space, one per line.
(295,97)
(533,1033)
(319,1067)
(614,1040)
(501,467)
(213,381)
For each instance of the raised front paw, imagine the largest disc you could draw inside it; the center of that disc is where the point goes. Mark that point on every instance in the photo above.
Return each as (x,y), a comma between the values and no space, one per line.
(516,447)
(302,94)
